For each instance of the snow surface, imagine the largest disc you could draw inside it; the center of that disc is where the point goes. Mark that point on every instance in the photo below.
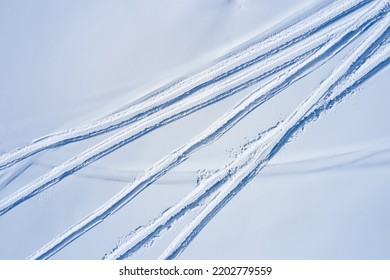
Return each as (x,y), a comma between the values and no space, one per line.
(224,129)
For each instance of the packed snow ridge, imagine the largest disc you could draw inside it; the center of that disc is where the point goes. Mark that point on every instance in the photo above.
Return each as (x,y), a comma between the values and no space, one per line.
(270,65)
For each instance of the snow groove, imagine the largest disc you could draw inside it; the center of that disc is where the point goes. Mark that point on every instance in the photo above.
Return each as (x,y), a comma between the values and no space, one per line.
(360,69)
(168,115)
(366,20)
(169,96)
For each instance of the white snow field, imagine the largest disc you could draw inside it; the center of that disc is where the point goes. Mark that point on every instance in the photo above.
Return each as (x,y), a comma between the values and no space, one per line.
(223,129)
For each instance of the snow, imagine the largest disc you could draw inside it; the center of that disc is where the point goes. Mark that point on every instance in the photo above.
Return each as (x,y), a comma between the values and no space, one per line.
(67,66)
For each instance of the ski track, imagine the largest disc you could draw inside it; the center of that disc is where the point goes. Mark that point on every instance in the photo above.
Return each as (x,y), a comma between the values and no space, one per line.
(147,125)
(182,89)
(174,159)
(124,137)
(262,152)
(223,197)
(173,213)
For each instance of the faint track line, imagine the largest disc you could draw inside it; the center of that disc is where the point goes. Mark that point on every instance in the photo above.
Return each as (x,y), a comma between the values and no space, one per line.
(171,95)
(178,156)
(267,147)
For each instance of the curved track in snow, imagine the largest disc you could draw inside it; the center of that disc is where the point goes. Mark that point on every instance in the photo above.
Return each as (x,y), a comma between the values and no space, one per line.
(260,158)
(265,68)
(190,105)
(372,56)
(167,97)
(365,20)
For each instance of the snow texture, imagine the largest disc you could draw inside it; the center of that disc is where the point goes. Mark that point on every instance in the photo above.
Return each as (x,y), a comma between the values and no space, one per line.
(197,130)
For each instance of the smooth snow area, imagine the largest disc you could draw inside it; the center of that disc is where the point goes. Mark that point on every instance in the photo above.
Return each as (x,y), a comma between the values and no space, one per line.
(223,129)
